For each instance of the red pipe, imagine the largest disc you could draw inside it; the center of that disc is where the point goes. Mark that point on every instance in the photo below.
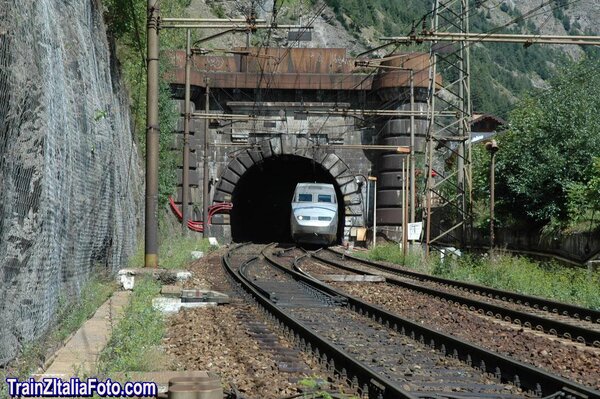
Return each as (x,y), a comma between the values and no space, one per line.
(198,226)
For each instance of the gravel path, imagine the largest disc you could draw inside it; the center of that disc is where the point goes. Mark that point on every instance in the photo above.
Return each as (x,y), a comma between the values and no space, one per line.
(230,341)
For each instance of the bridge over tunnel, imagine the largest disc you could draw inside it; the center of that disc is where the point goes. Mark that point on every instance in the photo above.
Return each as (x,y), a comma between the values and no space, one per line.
(262,198)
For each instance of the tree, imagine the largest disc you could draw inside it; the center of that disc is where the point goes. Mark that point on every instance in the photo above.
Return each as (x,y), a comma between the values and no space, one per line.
(553,138)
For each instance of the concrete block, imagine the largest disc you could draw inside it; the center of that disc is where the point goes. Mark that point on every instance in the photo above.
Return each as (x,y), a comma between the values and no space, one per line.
(220,218)
(230,176)
(245,160)
(221,196)
(172,305)
(171,291)
(351,278)
(276,145)
(202,295)
(237,167)
(329,161)
(339,169)
(265,148)
(126,277)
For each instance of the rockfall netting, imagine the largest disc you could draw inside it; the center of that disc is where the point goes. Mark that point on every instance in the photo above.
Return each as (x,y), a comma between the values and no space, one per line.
(69,175)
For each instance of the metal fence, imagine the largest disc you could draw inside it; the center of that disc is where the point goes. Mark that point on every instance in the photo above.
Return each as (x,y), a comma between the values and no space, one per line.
(69,175)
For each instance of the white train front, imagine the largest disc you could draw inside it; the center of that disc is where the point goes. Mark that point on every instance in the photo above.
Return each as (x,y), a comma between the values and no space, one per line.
(314,218)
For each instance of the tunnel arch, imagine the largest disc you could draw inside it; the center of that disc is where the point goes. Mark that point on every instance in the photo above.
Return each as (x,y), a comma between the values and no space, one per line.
(272,168)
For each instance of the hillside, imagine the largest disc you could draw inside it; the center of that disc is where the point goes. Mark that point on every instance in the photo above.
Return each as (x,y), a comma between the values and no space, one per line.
(497,79)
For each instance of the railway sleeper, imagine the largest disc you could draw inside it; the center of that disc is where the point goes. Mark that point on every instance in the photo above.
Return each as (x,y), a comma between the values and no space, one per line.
(528,321)
(520,299)
(546,384)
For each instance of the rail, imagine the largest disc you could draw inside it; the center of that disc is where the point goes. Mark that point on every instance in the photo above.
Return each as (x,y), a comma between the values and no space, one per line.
(548,305)
(312,341)
(525,376)
(539,323)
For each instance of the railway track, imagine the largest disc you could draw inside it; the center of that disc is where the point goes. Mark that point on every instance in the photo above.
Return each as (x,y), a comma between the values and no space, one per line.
(555,318)
(383,354)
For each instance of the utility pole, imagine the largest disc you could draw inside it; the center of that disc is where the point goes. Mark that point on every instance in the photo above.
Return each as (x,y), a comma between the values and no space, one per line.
(405,184)
(185,176)
(412,146)
(374,180)
(152,137)
(205,191)
(492,147)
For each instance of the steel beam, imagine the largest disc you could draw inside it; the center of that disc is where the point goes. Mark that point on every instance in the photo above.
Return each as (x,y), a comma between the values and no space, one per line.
(495,38)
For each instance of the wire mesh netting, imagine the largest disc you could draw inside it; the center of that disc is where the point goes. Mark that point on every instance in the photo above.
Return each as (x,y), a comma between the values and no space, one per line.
(69,176)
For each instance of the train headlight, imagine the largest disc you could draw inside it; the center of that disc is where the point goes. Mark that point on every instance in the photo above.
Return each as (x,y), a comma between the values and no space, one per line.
(300,217)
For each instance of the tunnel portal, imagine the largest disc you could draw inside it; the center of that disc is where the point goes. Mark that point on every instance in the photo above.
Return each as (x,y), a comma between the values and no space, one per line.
(262,198)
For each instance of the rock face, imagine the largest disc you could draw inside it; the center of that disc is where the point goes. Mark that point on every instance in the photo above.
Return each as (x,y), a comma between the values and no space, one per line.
(69,175)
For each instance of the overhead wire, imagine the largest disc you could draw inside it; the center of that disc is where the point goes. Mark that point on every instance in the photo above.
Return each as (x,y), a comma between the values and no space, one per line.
(262,76)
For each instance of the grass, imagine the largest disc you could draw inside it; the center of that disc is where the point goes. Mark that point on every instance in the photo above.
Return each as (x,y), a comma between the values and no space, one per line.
(94,294)
(393,253)
(315,387)
(508,272)
(174,253)
(135,341)
(135,344)
(71,315)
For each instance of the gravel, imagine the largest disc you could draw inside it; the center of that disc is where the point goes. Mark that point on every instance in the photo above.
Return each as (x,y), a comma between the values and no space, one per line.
(223,339)
(571,361)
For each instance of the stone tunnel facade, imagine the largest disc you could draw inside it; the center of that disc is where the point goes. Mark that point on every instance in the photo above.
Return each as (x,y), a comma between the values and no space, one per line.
(308,126)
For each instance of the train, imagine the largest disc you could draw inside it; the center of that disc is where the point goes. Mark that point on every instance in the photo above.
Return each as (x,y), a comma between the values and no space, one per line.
(314,216)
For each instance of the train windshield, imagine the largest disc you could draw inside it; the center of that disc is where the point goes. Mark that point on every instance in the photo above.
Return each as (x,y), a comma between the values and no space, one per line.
(304,197)
(324,198)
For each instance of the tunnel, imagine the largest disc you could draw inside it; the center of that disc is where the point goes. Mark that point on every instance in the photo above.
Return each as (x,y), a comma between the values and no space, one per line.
(262,198)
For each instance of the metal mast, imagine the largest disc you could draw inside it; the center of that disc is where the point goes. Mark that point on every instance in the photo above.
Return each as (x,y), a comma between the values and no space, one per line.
(448,153)
(152,137)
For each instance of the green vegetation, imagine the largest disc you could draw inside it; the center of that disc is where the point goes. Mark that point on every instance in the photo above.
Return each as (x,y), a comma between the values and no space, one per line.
(497,79)
(72,314)
(389,17)
(174,252)
(519,274)
(393,253)
(547,166)
(126,21)
(135,342)
(503,271)
(583,201)
(316,385)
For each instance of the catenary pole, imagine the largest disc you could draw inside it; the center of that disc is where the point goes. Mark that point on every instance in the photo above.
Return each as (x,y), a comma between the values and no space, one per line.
(185,179)
(152,137)
(205,190)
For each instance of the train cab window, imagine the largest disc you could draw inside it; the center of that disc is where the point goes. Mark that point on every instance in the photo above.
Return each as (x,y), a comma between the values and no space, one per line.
(324,198)
(304,197)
